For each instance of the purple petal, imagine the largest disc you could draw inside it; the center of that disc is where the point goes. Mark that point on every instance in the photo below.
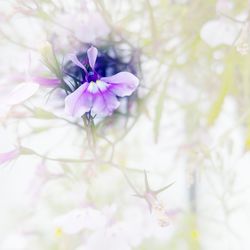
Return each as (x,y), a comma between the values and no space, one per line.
(78,102)
(122,84)
(104,103)
(92,55)
(5,157)
(46,82)
(76,61)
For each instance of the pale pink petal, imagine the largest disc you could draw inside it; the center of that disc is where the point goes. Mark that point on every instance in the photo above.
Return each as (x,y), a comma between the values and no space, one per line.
(78,102)
(105,103)
(21,93)
(122,84)
(47,82)
(88,31)
(76,61)
(92,55)
(8,156)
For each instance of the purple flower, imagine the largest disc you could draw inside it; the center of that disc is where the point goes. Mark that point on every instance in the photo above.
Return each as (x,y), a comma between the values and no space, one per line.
(98,95)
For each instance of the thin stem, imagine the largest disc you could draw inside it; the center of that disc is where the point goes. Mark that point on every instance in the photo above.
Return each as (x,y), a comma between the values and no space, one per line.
(90,132)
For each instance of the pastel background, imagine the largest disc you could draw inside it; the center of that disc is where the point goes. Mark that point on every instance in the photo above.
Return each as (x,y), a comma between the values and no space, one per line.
(188,129)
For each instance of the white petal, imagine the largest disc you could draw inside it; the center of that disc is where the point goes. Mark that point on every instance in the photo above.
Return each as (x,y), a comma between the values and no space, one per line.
(218,32)
(21,93)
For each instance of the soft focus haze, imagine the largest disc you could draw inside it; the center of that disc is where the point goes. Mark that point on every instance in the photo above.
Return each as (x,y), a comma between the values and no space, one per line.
(166,170)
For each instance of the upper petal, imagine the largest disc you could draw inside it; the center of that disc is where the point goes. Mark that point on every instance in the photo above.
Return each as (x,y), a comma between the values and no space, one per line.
(92,55)
(76,61)
(78,102)
(122,84)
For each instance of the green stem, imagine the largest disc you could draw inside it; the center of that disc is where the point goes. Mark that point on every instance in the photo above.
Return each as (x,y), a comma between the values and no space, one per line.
(90,132)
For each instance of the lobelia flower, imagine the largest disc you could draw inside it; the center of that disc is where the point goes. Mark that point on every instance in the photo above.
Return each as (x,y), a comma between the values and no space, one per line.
(98,95)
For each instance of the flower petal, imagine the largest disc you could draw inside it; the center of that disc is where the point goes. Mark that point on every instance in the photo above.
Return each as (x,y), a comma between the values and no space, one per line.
(7,156)
(76,61)
(95,87)
(76,220)
(78,102)
(122,84)
(219,32)
(92,55)
(21,93)
(46,82)
(71,222)
(104,103)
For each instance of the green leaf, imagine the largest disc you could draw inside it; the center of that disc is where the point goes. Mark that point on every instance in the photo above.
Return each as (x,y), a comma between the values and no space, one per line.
(226,84)
(159,111)
(43,114)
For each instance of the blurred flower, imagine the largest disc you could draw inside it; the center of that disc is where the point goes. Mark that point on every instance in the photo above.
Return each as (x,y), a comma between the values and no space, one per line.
(47,82)
(87,28)
(107,233)
(127,233)
(111,238)
(219,32)
(88,31)
(243,42)
(8,156)
(97,94)
(78,219)
(156,207)
(223,6)
(40,179)
(115,234)
(15,241)
(159,211)
(21,93)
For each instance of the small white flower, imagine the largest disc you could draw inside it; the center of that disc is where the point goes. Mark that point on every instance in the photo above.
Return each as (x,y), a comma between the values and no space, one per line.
(78,219)
(22,92)
(14,241)
(219,32)
(18,95)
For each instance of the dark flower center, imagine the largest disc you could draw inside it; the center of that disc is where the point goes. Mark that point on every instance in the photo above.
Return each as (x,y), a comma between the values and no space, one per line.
(92,76)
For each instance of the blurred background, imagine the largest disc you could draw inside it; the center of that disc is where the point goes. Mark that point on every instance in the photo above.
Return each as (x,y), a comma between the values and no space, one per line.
(169,169)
